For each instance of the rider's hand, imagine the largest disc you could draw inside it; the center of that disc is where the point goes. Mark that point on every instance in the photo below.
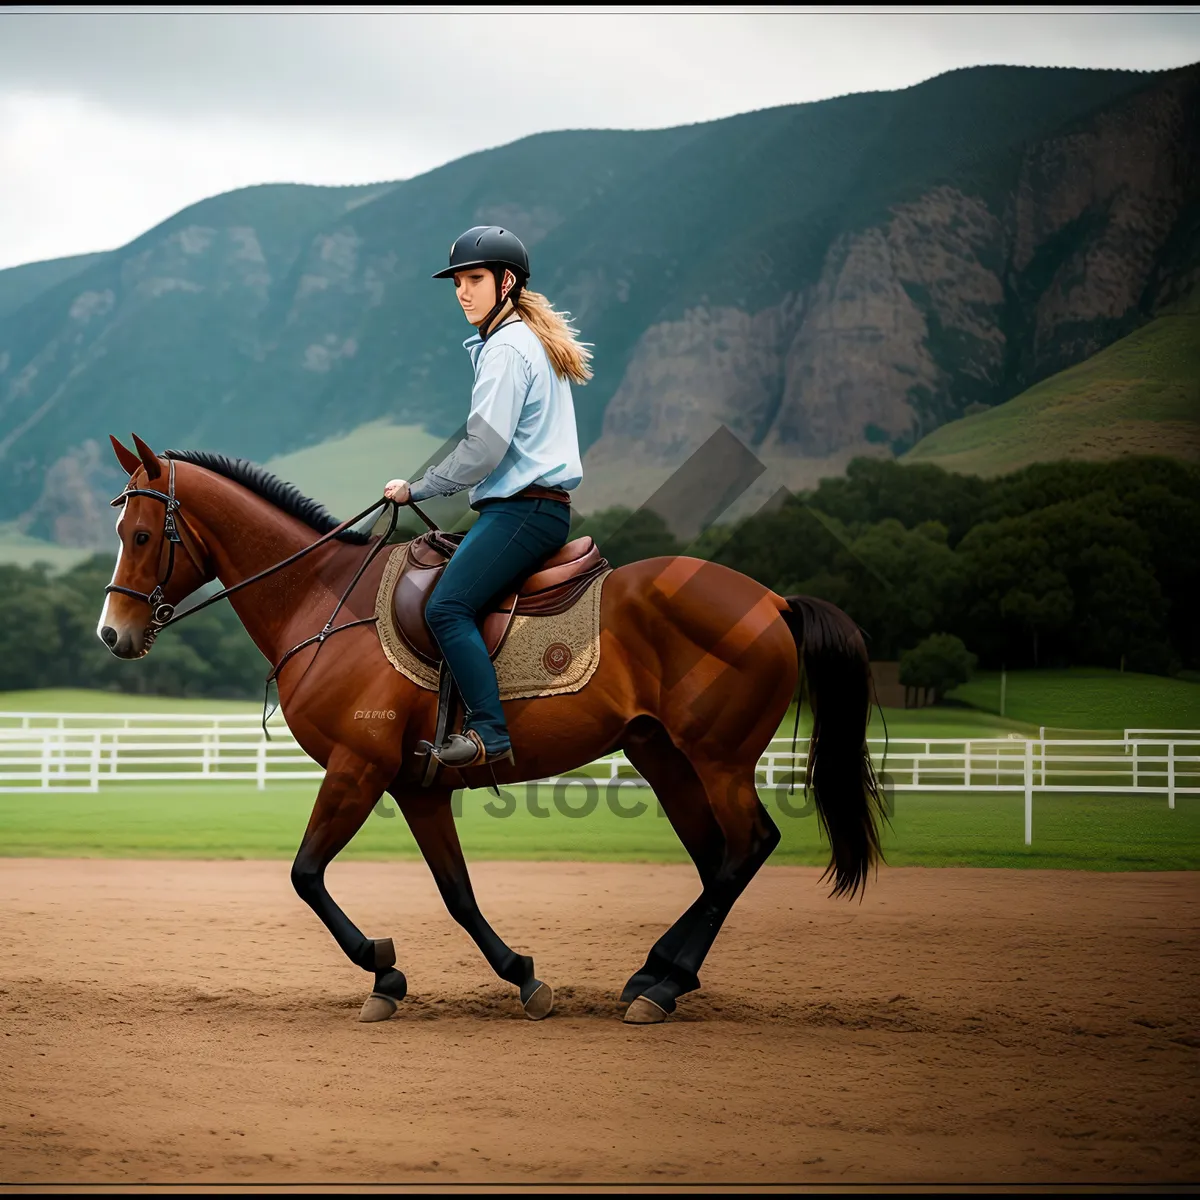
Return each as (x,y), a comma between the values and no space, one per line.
(397,489)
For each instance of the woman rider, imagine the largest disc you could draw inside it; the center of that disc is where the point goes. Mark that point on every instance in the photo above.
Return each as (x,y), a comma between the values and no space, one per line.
(520,458)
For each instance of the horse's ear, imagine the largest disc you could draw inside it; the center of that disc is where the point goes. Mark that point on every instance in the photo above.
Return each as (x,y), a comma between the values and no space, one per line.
(149,458)
(128,460)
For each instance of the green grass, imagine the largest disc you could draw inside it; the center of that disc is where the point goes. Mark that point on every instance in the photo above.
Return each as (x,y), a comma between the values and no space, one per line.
(939,721)
(23,551)
(927,722)
(348,472)
(977,829)
(232,821)
(66,700)
(1141,395)
(1082,698)
(1087,698)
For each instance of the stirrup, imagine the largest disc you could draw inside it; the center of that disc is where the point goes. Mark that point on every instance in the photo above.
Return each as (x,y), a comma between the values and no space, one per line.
(461,750)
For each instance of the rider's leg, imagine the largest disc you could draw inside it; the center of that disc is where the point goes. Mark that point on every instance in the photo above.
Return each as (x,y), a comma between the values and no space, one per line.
(509,539)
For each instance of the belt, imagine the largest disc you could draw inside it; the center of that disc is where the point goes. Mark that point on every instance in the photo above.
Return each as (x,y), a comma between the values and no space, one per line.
(532,492)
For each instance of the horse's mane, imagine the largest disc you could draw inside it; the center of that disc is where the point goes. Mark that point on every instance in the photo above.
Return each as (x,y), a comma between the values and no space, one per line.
(285,496)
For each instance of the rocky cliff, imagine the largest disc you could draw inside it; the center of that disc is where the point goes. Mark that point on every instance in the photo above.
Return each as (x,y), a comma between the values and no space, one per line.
(952,302)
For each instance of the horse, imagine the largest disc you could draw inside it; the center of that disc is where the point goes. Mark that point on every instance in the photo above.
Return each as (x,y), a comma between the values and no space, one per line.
(698,667)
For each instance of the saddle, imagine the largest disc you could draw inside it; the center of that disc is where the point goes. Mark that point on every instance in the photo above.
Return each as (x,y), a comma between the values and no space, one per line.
(550,588)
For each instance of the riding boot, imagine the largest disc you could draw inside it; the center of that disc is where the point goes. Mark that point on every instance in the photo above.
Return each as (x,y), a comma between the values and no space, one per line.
(464,750)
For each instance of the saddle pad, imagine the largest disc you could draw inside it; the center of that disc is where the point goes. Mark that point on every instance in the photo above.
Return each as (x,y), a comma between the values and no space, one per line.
(542,656)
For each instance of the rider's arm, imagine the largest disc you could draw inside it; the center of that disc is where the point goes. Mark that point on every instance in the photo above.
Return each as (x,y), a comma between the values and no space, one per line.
(499,393)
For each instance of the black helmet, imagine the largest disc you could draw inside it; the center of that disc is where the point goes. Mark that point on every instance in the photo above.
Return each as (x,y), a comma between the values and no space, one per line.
(487,246)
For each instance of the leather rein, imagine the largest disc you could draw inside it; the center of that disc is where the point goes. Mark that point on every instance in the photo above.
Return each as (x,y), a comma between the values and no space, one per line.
(163,614)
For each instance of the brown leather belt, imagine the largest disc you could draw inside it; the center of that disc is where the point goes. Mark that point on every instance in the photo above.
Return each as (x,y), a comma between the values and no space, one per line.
(532,492)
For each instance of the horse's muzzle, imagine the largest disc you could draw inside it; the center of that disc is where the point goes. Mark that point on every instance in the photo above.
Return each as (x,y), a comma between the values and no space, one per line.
(123,643)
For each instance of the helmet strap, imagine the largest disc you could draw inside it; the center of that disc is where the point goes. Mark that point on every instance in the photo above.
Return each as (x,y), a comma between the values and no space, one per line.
(485,326)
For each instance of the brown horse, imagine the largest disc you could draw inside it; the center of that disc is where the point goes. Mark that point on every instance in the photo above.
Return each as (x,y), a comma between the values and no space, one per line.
(698,666)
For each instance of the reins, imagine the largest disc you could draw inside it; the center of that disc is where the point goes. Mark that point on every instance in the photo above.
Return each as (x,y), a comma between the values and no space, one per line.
(163,614)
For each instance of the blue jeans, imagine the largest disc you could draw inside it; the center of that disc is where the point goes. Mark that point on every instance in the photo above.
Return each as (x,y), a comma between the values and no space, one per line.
(509,540)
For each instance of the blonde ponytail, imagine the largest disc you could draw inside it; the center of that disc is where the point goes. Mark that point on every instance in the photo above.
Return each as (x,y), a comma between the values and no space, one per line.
(569,357)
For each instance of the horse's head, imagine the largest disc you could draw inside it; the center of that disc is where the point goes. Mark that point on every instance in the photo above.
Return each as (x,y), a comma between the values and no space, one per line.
(160,559)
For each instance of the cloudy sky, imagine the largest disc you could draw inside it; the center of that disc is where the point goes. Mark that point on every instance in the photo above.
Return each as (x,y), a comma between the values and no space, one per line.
(111,119)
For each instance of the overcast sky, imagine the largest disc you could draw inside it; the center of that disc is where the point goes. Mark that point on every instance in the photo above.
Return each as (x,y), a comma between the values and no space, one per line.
(113,119)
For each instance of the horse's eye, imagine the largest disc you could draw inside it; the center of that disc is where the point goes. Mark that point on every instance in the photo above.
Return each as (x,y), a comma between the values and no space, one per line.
(141,537)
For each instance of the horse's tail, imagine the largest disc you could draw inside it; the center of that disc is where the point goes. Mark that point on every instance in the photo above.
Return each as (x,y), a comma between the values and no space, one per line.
(833,660)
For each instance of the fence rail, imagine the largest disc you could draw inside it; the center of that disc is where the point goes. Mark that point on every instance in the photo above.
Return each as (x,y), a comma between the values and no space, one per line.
(78,752)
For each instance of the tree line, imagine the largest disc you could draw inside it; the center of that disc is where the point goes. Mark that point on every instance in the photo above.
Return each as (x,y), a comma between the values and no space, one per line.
(1069,563)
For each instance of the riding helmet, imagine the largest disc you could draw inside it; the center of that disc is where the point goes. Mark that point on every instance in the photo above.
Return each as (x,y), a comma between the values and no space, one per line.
(487,246)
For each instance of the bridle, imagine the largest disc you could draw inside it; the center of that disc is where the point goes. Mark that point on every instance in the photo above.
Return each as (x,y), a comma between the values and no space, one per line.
(163,614)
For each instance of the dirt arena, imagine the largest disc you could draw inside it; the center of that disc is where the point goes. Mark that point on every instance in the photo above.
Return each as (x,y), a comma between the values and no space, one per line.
(192,1021)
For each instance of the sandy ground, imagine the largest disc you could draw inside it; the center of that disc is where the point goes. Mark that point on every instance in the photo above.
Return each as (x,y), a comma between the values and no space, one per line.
(190,1021)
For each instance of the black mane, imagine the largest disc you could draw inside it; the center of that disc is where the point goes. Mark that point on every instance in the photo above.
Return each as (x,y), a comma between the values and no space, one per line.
(285,496)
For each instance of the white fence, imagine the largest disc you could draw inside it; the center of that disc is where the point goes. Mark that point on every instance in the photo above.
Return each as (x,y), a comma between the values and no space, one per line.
(77,752)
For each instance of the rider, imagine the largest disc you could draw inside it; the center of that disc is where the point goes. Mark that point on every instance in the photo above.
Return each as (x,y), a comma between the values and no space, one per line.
(520,458)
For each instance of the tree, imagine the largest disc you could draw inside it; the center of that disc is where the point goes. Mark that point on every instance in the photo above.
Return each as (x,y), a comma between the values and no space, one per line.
(626,536)
(795,541)
(939,663)
(1042,603)
(901,583)
(875,489)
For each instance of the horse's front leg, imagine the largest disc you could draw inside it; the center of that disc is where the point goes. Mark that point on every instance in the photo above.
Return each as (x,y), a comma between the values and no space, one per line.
(351,788)
(431,820)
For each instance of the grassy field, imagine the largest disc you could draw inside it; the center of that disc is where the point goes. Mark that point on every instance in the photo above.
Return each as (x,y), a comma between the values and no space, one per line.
(347,473)
(232,820)
(1141,395)
(1086,698)
(1082,698)
(68,700)
(529,822)
(23,551)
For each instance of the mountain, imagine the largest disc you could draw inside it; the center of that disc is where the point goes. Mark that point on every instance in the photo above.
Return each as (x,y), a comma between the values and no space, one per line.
(1141,395)
(19,285)
(824,279)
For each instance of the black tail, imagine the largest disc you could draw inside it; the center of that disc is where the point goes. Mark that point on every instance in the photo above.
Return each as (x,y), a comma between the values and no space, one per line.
(849,806)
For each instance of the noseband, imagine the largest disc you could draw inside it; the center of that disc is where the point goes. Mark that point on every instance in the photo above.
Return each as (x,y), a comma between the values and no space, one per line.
(160,611)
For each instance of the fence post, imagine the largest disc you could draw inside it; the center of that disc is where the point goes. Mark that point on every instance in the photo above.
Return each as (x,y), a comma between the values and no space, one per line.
(46,746)
(1029,793)
(614,764)
(967,767)
(261,766)
(1170,774)
(94,764)
(1135,764)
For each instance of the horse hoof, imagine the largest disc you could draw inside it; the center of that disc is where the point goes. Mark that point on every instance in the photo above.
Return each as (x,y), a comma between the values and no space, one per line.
(644,1012)
(377,1007)
(540,1002)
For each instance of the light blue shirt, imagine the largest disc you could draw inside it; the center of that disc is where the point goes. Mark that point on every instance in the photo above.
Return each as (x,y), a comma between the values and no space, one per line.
(521,429)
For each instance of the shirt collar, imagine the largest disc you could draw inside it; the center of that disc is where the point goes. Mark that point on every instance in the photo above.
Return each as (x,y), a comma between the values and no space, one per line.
(475,340)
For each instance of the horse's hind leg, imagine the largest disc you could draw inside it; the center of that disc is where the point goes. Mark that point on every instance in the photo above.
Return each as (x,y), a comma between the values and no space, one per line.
(682,795)
(748,837)
(348,793)
(431,820)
